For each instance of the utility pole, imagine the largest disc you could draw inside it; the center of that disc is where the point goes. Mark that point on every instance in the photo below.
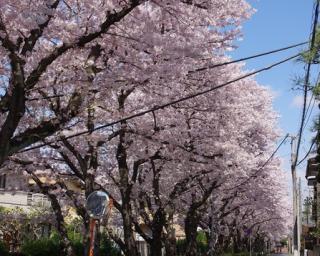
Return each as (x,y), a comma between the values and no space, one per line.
(296,224)
(299,213)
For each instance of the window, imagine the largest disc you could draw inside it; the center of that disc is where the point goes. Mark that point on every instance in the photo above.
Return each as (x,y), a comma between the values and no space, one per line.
(3,178)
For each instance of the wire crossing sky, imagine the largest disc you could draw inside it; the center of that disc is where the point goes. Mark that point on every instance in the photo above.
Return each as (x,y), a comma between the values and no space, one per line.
(168,104)
(307,81)
(279,23)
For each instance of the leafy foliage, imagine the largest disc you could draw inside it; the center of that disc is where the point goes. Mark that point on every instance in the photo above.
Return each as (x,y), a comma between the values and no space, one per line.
(108,247)
(50,247)
(3,250)
(202,245)
(41,247)
(313,55)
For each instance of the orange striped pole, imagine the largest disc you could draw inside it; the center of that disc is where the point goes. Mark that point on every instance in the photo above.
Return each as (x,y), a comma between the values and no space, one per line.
(92,235)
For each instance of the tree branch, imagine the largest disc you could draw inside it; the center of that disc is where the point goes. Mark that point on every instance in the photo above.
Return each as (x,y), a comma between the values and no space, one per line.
(35,34)
(111,19)
(45,128)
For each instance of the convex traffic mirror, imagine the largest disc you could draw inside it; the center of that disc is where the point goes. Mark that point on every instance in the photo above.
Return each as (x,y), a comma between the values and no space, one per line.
(96,204)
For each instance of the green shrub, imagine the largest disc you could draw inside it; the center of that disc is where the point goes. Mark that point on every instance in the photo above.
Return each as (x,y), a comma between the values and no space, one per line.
(50,247)
(108,247)
(41,247)
(74,230)
(78,247)
(181,247)
(202,246)
(3,250)
(202,243)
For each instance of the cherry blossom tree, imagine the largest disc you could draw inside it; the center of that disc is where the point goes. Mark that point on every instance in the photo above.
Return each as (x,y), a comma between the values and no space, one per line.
(73,66)
(47,46)
(66,50)
(258,208)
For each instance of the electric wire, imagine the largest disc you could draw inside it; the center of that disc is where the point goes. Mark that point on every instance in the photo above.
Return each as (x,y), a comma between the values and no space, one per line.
(275,152)
(309,151)
(314,140)
(306,83)
(203,68)
(312,102)
(307,121)
(310,107)
(165,105)
(248,58)
(265,163)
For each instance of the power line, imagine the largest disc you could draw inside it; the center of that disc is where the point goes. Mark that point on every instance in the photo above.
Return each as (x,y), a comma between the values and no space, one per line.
(295,152)
(311,101)
(275,152)
(314,140)
(265,163)
(165,105)
(309,151)
(306,82)
(205,68)
(248,58)
(308,118)
(310,107)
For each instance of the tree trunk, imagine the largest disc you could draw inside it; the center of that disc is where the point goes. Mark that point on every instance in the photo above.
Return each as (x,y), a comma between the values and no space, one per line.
(16,106)
(125,186)
(157,233)
(171,245)
(236,243)
(191,225)
(66,246)
(213,237)
(217,249)
(130,244)
(156,247)
(170,240)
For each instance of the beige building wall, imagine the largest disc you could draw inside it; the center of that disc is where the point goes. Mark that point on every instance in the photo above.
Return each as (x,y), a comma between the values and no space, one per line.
(16,193)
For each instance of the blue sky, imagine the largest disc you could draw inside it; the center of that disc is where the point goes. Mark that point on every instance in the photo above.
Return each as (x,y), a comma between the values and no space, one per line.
(276,24)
